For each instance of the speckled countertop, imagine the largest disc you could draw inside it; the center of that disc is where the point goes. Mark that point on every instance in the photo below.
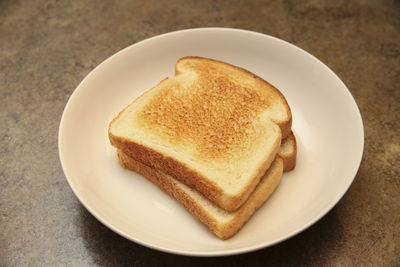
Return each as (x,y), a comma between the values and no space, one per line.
(47,48)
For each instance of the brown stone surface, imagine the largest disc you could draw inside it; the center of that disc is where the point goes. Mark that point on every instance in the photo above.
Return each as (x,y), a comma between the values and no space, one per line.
(47,48)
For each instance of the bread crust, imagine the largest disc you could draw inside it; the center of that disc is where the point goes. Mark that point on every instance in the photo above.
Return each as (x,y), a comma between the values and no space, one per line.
(223,230)
(188,176)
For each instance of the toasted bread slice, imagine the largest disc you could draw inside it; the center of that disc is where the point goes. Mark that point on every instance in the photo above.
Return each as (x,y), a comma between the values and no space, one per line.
(222,223)
(214,126)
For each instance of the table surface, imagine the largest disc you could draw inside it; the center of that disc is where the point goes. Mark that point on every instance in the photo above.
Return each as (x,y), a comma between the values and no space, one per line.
(48,47)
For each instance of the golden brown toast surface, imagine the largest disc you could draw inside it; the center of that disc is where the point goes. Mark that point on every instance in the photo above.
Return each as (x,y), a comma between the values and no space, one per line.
(214,126)
(214,113)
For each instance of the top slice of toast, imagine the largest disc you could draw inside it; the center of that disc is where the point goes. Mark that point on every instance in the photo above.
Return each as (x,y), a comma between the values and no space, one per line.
(214,126)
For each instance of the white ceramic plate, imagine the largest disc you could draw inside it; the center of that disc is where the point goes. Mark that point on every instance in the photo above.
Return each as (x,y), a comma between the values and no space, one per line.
(326,121)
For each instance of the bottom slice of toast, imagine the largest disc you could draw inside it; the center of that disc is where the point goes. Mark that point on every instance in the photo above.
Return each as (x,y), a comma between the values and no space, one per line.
(222,223)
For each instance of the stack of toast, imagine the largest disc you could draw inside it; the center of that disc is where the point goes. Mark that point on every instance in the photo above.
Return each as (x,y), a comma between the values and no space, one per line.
(215,137)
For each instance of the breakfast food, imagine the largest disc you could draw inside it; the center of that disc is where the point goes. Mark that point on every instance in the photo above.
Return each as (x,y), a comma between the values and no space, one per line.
(222,223)
(214,127)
